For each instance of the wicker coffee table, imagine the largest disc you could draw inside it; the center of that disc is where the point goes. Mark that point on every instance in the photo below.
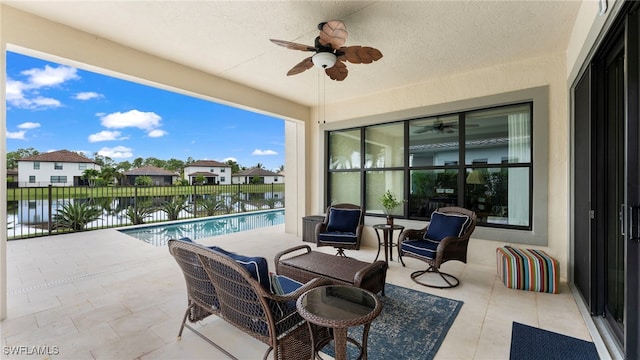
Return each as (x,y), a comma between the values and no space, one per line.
(302,264)
(339,307)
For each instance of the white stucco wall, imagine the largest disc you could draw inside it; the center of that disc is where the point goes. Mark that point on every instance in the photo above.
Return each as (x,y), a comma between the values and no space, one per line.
(47,169)
(222,172)
(398,104)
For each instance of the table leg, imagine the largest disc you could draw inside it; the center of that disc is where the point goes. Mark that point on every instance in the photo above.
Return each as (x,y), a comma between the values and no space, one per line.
(390,244)
(365,337)
(386,245)
(378,254)
(340,340)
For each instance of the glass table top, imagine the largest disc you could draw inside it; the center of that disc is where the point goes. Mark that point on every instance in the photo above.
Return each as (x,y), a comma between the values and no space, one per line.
(339,303)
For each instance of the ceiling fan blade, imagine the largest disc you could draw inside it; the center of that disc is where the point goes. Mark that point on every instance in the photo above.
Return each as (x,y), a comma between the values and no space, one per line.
(302,66)
(338,72)
(333,33)
(359,54)
(292,45)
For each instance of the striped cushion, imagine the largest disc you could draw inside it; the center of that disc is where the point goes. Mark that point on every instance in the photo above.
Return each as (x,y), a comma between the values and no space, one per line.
(527,269)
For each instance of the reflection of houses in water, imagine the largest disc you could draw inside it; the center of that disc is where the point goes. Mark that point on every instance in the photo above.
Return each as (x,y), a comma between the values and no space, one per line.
(37,211)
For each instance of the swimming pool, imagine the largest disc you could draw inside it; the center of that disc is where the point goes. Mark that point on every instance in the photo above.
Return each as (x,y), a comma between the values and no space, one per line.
(159,235)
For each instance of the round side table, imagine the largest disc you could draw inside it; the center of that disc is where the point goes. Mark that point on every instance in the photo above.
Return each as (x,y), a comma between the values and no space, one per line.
(339,307)
(387,231)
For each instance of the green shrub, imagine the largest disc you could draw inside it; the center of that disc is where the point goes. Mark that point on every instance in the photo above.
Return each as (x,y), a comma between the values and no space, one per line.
(75,216)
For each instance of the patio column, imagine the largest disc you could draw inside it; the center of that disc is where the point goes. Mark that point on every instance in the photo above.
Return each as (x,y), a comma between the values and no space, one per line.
(3,176)
(294,164)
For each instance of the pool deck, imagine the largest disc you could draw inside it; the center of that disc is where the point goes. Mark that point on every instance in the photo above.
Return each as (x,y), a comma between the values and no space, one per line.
(106,295)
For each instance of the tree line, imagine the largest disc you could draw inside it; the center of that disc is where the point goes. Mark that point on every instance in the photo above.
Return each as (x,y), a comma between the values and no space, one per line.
(110,167)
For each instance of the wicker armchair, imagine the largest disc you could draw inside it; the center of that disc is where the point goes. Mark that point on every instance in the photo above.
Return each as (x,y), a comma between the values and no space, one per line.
(445,238)
(232,293)
(341,228)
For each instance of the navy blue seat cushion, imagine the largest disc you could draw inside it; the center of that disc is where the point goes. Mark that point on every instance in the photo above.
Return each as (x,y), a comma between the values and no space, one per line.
(443,225)
(256,266)
(423,248)
(338,237)
(343,220)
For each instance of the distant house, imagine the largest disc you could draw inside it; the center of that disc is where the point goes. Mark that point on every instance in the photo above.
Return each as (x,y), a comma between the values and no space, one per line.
(57,168)
(214,172)
(12,178)
(158,175)
(259,176)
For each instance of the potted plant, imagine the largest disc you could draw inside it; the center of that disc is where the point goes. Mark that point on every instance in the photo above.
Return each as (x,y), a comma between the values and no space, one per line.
(389,202)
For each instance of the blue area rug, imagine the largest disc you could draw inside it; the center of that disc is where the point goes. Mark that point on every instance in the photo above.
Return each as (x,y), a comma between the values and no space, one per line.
(532,343)
(412,325)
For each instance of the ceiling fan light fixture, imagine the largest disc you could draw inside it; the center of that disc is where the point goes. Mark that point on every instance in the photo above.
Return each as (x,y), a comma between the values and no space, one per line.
(324,60)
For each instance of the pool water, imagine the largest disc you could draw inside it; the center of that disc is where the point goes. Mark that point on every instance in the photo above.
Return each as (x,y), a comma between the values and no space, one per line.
(159,235)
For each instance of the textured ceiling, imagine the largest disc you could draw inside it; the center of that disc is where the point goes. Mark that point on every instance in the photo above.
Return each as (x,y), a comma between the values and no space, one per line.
(420,40)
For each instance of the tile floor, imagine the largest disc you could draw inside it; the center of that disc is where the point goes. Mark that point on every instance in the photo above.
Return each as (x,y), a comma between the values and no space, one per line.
(106,295)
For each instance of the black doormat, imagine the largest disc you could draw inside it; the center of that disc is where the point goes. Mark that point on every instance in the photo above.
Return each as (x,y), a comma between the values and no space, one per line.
(532,343)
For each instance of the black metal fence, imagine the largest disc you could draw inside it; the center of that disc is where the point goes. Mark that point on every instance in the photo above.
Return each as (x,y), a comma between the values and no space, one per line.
(42,211)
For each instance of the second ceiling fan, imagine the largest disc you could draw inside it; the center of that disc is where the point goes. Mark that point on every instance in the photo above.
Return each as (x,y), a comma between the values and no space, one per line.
(330,54)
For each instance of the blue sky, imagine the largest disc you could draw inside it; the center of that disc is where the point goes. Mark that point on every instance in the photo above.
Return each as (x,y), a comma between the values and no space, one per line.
(53,107)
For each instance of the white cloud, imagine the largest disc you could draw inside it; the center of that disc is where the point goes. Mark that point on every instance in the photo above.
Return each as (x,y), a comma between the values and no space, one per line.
(106,135)
(29,125)
(17,135)
(229,158)
(263,152)
(157,133)
(18,95)
(26,94)
(118,152)
(88,95)
(133,118)
(49,76)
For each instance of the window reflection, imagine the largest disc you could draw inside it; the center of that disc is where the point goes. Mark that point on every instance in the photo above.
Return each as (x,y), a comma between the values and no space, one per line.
(498,136)
(431,189)
(498,195)
(344,149)
(345,187)
(378,182)
(481,160)
(384,146)
(434,141)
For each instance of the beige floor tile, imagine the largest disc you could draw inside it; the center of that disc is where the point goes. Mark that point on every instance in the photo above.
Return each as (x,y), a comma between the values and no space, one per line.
(110,296)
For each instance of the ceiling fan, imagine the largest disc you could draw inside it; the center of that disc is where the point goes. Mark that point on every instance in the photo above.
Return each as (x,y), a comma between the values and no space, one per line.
(329,52)
(439,126)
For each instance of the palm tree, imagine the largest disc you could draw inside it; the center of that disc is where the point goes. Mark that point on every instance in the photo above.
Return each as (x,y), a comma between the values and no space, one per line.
(75,216)
(137,215)
(211,205)
(90,175)
(174,207)
(108,174)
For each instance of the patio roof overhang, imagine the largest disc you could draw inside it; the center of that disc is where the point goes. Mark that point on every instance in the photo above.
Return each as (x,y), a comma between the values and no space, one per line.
(425,70)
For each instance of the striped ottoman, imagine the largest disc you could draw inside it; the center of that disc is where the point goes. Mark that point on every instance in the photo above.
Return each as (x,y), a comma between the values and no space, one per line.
(527,269)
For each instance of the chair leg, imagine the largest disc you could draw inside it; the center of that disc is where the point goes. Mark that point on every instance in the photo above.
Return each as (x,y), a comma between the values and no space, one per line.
(184,321)
(451,280)
(341,252)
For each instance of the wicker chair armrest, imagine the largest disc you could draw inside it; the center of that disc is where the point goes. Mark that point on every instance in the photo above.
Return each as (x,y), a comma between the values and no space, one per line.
(313,283)
(368,271)
(411,234)
(449,240)
(320,228)
(290,251)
